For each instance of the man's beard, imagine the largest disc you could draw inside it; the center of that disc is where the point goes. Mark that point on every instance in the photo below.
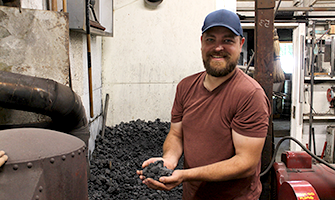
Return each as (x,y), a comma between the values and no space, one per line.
(220,69)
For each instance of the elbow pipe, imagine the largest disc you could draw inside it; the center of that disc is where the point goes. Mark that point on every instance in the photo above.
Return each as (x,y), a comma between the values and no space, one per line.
(47,97)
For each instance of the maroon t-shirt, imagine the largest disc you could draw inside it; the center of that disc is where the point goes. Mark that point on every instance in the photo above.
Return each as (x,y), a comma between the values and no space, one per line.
(208,119)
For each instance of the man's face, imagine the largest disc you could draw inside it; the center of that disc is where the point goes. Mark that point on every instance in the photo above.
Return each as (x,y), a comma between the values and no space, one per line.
(221,50)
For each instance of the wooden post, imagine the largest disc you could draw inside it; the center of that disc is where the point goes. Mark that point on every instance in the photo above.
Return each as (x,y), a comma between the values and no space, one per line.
(89,64)
(54,5)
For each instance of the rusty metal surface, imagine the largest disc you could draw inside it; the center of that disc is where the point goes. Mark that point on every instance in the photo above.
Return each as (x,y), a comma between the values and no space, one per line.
(43,164)
(264,50)
(45,96)
(264,26)
(267,4)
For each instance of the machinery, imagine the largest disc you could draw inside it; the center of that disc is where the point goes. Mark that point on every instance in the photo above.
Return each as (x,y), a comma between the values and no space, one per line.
(46,160)
(43,164)
(302,175)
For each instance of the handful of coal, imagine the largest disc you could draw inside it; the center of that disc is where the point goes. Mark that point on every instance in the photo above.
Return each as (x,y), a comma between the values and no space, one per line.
(156,170)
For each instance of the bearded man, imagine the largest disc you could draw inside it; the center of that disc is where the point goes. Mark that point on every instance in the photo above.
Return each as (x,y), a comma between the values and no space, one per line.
(219,121)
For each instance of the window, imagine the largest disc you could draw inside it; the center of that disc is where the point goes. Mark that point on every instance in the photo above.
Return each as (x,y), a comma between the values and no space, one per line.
(286,57)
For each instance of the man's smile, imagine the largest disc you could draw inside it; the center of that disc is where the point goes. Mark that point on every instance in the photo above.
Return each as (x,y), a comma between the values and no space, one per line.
(219,57)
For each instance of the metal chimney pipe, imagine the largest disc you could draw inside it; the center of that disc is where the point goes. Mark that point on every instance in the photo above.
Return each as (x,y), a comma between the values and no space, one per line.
(47,97)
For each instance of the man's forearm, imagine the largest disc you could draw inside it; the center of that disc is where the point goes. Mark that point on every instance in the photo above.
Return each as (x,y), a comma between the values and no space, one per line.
(173,146)
(233,168)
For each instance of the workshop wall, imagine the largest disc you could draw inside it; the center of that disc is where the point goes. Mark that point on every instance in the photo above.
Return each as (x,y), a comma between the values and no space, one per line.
(151,50)
(40,43)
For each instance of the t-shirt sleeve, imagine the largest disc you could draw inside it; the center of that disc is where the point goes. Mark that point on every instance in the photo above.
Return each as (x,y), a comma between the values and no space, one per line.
(252,116)
(177,108)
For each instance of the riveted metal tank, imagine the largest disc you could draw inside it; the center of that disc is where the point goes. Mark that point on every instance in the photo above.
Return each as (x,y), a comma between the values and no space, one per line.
(43,164)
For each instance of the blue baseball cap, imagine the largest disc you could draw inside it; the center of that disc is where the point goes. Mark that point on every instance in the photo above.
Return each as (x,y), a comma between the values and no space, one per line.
(225,18)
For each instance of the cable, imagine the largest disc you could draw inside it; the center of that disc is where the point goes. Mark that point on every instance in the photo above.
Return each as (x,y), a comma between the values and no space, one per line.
(302,146)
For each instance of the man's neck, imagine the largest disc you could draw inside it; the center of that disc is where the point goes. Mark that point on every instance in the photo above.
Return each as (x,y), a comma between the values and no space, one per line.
(212,82)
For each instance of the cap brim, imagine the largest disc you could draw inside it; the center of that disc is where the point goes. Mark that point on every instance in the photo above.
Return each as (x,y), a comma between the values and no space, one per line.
(222,25)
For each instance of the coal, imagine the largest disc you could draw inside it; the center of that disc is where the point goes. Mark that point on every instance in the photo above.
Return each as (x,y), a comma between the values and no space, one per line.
(120,153)
(156,170)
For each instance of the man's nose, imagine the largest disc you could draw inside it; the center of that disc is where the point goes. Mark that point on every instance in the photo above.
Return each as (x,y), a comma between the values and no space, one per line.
(219,47)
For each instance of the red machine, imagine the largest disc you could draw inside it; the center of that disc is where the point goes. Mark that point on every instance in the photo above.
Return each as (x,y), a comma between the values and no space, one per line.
(297,190)
(300,179)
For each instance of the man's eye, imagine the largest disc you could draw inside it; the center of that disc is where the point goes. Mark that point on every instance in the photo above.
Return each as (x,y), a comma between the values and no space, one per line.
(209,39)
(228,41)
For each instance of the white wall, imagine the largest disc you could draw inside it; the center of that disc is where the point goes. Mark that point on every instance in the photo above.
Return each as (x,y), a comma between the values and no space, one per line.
(151,51)
(79,78)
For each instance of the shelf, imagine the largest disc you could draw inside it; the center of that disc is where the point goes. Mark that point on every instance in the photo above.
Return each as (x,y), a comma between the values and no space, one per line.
(320,116)
(103,9)
(320,78)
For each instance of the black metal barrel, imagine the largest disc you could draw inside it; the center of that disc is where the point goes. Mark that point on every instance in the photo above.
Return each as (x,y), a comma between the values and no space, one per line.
(43,164)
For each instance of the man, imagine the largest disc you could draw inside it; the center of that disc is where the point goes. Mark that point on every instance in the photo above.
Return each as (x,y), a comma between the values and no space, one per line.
(219,121)
(3,158)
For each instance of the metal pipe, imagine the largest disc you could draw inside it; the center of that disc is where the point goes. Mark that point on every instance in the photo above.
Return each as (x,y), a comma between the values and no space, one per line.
(310,9)
(277,8)
(105,116)
(47,97)
(249,63)
(332,56)
(320,22)
(314,2)
(312,90)
(278,21)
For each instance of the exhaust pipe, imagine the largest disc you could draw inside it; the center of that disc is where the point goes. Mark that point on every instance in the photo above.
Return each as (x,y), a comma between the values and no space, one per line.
(47,97)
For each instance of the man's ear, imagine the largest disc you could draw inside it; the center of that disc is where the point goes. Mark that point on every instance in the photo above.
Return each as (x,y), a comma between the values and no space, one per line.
(242,42)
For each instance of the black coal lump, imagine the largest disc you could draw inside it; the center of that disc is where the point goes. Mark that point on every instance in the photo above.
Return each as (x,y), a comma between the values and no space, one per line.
(156,170)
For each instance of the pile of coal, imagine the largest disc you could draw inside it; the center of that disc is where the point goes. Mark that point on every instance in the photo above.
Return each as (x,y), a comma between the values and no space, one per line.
(119,154)
(156,170)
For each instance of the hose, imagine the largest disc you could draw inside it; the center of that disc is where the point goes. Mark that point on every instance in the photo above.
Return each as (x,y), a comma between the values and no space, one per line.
(302,146)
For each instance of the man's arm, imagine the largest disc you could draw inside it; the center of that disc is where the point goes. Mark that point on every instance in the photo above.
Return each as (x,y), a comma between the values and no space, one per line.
(248,153)
(173,145)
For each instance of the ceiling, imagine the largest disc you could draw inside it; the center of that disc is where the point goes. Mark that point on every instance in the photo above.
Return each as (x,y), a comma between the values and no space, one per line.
(291,10)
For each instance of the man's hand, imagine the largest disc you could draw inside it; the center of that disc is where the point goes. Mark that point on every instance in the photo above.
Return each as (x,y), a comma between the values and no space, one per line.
(165,182)
(145,164)
(3,158)
(172,150)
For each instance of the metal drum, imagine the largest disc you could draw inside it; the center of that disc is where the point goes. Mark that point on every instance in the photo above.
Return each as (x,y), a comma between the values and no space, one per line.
(43,164)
